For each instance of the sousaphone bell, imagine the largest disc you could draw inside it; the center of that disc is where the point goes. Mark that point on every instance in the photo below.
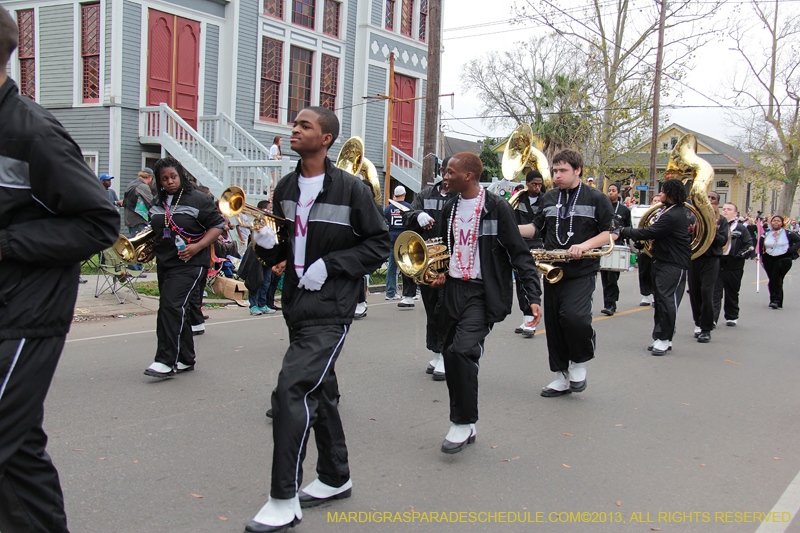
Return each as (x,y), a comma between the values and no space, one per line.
(137,249)
(351,159)
(520,157)
(420,259)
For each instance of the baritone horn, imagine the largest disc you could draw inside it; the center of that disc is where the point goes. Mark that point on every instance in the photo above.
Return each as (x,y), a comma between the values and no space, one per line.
(420,259)
(685,164)
(232,202)
(520,157)
(351,159)
(137,249)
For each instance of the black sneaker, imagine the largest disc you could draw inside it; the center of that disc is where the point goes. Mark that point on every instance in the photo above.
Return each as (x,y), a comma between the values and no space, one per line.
(609,311)
(704,337)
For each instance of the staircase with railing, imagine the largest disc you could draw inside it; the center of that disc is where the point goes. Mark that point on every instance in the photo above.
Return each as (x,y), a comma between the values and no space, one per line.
(406,170)
(245,162)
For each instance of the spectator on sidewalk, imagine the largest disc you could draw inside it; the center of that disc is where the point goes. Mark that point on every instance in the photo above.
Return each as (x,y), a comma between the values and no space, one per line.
(225,250)
(105,179)
(394,219)
(137,201)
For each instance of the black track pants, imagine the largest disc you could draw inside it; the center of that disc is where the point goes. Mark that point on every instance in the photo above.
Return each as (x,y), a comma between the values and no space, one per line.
(610,282)
(431,301)
(645,265)
(409,287)
(464,329)
(702,278)
(669,282)
(196,300)
(30,491)
(307,397)
(776,269)
(568,321)
(173,328)
(729,281)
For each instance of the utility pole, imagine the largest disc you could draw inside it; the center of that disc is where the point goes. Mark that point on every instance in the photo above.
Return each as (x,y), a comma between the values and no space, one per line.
(656,102)
(389,124)
(432,95)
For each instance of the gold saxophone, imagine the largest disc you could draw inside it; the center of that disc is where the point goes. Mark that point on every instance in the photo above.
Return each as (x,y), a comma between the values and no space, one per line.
(686,165)
(552,273)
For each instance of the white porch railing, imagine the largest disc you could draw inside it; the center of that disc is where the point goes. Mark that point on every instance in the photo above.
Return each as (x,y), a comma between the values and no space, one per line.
(217,171)
(406,170)
(222,130)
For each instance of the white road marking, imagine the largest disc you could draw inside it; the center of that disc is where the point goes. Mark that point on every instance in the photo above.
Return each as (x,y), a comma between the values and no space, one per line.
(789,502)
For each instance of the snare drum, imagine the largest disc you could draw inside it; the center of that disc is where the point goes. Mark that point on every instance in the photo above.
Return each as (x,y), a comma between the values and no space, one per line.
(619,260)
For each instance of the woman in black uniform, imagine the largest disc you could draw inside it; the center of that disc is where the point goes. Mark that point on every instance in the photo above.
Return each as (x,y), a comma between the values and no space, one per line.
(186,223)
(778,249)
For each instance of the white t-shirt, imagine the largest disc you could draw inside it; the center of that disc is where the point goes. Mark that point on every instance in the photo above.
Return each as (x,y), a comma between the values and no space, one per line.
(274,151)
(309,189)
(463,226)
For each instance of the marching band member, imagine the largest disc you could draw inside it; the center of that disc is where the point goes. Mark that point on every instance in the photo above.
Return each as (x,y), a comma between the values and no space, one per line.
(610,280)
(425,212)
(484,244)
(778,249)
(576,218)
(186,223)
(731,267)
(336,236)
(703,276)
(527,208)
(672,252)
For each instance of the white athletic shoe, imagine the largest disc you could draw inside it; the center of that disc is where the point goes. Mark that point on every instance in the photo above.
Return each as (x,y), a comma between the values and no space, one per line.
(660,347)
(558,386)
(645,301)
(278,513)
(361,310)
(697,331)
(406,302)
(732,322)
(438,369)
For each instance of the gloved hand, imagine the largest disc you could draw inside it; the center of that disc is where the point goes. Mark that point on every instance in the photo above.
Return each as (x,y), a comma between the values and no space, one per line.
(314,276)
(265,238)
(423,219)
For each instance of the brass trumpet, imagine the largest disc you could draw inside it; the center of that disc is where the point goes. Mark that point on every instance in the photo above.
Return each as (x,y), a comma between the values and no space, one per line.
(552,273)
(137,249)
(420,259)
(232,202)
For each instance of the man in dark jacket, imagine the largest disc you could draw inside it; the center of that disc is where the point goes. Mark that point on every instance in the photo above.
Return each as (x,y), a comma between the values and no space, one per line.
(575,218)
(484,243)
(54,213)
(731,266)
(334,236)
(528,207)
(671,251)
(703,276)
(425,211)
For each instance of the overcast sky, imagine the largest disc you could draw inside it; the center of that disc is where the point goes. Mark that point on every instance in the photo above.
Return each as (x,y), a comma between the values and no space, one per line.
(710,69)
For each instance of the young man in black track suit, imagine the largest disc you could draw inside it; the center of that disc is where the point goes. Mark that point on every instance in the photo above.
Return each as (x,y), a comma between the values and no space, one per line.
(528,207)
(576,218)
(731,266)
(672,251)
(334,236)
(610,280)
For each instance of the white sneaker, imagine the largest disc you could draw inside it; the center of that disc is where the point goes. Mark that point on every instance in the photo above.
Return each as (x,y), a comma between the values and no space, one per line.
(697,331)
(278,513)
(361,310)
(438,369)
(527,331)
(416,296)
(389,297)
(317,493)
(558,386)
(406,302)
(652,299)
(660,347)
(577,372)
(518,329)
(645,301)
(732,322)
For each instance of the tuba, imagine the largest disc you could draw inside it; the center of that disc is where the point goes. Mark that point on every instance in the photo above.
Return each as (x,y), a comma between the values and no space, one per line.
(137,249)
(420,259)
(351,159)
(232,203)
(685,163)
(553,274)
(520,157)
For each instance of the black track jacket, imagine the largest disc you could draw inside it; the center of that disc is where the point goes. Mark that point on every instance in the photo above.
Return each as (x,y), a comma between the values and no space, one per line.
(672,242)
(501,246)
(346,229)
(431,201)
(54,213)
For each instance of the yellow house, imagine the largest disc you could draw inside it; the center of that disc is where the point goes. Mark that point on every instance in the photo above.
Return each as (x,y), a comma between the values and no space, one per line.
(731,166)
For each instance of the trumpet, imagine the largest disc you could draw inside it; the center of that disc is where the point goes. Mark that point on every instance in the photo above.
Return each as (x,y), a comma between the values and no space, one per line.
(232,202)
(552,273)
(137,249)
(420,259)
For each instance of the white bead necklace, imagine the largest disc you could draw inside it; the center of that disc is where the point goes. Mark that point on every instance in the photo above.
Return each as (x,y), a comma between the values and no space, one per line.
(473,243)
(570,210)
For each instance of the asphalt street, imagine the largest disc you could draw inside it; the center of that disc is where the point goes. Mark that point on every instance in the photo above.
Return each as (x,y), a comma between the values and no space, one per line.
(678,440)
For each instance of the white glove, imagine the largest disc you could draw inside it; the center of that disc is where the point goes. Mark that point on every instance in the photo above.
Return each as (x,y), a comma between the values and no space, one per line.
(423,219)
(265,238)
(314,276)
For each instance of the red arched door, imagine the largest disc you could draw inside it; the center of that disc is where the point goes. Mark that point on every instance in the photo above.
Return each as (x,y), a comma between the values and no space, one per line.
(173,64)
(403,116)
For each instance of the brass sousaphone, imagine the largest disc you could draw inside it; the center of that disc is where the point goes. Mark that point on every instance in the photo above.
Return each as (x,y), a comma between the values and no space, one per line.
(137,249)
(684,164)
(420,259)
(351,159)
(520,157)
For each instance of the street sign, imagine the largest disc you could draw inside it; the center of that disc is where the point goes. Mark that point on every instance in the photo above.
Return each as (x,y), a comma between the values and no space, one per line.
(642,187)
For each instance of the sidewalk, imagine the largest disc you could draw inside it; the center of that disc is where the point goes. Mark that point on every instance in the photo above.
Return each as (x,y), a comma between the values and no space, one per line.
(87,307)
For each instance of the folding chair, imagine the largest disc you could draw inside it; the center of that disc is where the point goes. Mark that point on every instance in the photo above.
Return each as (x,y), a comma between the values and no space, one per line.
(213,272)
(114,275)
